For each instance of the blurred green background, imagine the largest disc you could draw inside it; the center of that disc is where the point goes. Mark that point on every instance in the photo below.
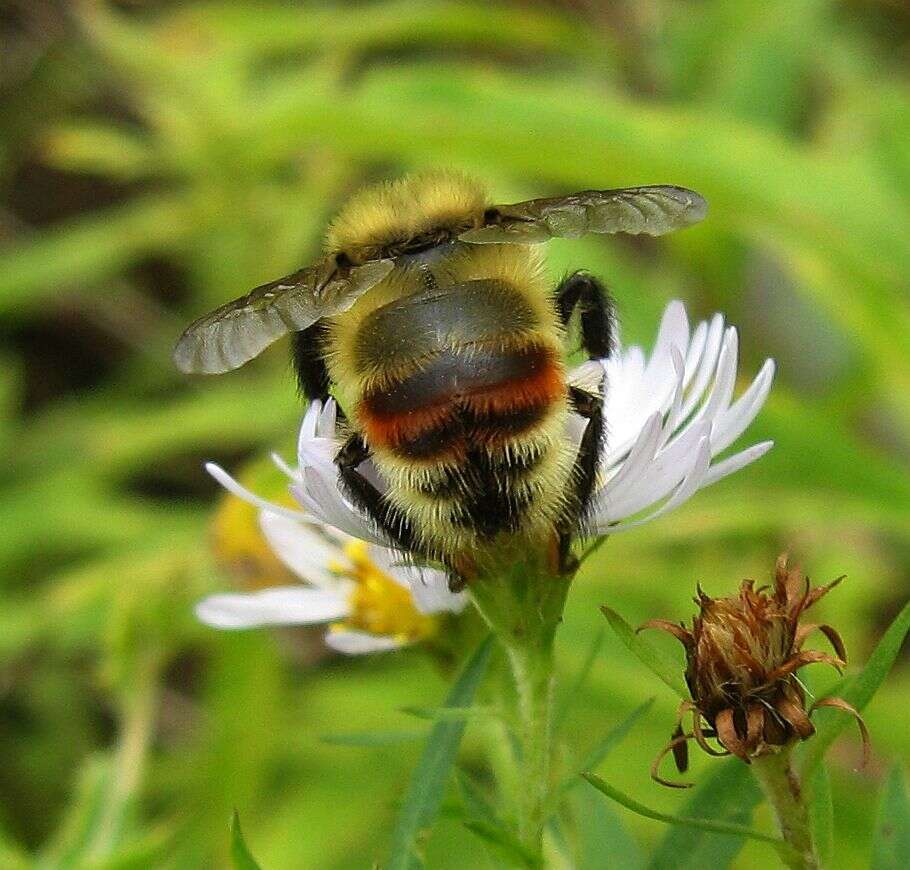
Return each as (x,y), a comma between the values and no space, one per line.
(158,158)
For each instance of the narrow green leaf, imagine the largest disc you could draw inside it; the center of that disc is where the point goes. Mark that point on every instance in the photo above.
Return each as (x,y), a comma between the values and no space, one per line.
(710,825)
(506,847)
(821,813)
(372,738)
(602,838)
(481,818)
(603,748)
(428,782)
(730,794)
(450,714)
(661,665)
(891,843)
(241,858)
(857,690)
(575,688)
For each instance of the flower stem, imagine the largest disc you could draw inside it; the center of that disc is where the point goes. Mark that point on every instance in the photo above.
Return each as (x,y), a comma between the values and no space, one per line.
(523,605)
(533,673)
(782,788)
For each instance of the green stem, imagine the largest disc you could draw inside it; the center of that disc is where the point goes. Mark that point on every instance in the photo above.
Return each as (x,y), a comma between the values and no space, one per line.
(533,673)
(782,788)
(523,606)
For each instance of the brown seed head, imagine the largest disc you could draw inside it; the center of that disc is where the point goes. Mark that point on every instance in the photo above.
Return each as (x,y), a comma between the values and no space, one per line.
(742,656)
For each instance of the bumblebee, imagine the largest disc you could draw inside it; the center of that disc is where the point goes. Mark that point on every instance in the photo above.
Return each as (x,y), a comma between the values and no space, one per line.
(430,317)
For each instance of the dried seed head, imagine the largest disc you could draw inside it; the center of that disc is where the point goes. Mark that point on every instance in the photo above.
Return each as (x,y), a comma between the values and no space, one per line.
(742,655)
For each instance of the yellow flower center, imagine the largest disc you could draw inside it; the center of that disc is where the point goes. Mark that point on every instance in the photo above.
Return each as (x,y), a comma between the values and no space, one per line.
(379,605)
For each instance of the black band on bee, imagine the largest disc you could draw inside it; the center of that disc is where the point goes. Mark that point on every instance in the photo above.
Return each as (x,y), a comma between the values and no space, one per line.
(464,427)
(458,481)
(456,372)
(309,361)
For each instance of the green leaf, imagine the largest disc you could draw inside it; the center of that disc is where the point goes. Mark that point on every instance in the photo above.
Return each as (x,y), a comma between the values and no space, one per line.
(891,843)
(428,782)
(576,687)
(603,748)
(857,690)
(372,738)
(603,841)
(821,813)
(450,714)
(729,793)
(710,825)
(241,858)
(504,844)
(661,665)
(482,819)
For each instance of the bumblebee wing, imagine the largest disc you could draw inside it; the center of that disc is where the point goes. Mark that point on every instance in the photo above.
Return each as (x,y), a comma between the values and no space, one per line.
(652,210)
(240,330)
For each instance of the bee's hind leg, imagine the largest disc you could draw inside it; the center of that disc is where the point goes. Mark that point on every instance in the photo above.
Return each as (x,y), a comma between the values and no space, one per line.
(389,519)
(584,476)
(583,291)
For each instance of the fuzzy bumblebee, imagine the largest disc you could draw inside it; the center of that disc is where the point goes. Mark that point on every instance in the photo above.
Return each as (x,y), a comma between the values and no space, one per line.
(742,655)
(430,318)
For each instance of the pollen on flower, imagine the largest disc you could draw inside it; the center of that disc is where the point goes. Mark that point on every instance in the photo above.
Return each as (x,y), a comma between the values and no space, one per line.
(380,605)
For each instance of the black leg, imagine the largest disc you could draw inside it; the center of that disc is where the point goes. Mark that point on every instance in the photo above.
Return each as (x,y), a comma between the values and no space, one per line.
(309,363)
(391,521)
(584,291)
(587,462)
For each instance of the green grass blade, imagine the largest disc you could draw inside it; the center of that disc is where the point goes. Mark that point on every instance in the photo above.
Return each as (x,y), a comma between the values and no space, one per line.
(710,825)
(728,793)
(603,841)
(372,738)
(576,687)
(821,814)
(425,792)
(891,842)
(858,691)
(503,844)
(662,666)
(603,748)
(241,858)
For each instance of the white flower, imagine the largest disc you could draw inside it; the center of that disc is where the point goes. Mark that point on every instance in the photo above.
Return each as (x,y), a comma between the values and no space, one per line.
(667,418)
(370,602)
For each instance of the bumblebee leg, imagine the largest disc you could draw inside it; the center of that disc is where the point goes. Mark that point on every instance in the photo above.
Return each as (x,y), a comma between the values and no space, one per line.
(309,363)
(582,290)
(391,521)
(587,462)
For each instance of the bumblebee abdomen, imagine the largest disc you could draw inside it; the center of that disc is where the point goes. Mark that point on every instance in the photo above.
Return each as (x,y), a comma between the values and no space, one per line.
(463,398)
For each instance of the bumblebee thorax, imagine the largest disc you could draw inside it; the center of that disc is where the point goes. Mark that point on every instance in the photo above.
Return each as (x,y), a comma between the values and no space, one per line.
(407,216)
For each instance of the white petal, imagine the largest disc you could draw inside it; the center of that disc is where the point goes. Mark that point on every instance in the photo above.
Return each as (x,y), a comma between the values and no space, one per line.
(707,365)
(322,497)
(589,376)
(284,605)
(325,426)
(734,463)
(660,475)
(355,643)
(734,421)
(305,550)
(695,351)
(232,486)
(281,465)
(693,482)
